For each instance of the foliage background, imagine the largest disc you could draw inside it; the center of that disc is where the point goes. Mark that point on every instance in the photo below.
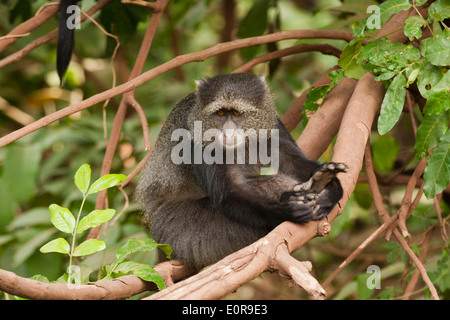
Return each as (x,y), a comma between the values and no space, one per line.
(38,169)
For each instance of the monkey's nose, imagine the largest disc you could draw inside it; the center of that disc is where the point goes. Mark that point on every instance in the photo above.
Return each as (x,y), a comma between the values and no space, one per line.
(229,133)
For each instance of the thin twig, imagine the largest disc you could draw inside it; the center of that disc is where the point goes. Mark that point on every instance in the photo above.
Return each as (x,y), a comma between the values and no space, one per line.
(140,111)
(304,47)
(402,213)
(151,5)
(25,28)
(360,248)
(113,57)
(415,277)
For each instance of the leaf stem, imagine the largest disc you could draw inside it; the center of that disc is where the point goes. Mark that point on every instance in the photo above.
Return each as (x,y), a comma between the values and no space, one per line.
(74,234)
(420,15)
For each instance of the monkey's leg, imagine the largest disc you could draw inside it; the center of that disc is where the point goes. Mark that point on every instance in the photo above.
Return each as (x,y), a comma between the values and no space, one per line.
(199,234)
(321,177)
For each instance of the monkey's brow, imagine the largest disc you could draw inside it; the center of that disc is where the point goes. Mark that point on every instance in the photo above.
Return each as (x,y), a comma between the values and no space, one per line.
(238,105)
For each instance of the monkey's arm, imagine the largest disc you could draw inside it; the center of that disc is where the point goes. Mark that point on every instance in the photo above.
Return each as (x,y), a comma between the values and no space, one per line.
(316,178)
(253,199)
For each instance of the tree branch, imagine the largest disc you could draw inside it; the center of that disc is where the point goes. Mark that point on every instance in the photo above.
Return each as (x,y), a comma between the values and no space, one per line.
(326,121)
(301,48)
(120,288)
(31,24)
(293,115)
(48,37)
(177,61)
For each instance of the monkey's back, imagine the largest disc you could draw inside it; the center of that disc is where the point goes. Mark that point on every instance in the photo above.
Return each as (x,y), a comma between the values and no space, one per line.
(161,179)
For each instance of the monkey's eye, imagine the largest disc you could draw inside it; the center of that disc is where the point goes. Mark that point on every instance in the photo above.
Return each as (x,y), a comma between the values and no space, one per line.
(236,113)
(220,113)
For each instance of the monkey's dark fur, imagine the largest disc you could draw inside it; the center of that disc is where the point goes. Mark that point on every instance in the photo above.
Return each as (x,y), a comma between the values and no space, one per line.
(205,212)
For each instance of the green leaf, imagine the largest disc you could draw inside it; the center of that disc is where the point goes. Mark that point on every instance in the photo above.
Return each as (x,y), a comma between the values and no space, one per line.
(62,218)
(439,10)
(392,105)
(29,247)
(58,245)
(386,76)
(140,245)
(384,57)
(385,152)
(438,50)
(33,217)
(439,97)
(394,250)
(413,76)
(363,196)
(83,178)
(335,77)
(428,77)
(348,60)
(20,169)
(94,219)
(315,97)
(413,27)
(363,289)
(122,20)
(107,181)
(143,271)
(437,172)
(391,7)
(89,247)
(429,132)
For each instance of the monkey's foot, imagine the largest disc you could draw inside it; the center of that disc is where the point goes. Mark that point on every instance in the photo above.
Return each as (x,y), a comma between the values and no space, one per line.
(321,177)
(303,205)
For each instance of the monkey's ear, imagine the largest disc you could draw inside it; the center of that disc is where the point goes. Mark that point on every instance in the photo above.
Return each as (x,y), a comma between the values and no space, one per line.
(199,84)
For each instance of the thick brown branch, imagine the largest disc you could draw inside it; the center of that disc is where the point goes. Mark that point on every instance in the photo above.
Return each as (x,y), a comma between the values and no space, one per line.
(326,121)
(120,288)
(297,272)
(293,115)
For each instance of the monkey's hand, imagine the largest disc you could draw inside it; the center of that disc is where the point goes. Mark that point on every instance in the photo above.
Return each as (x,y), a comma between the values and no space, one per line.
(321,177)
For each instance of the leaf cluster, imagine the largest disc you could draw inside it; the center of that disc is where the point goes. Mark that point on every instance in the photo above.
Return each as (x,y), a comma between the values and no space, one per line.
(65,222)
(400,66)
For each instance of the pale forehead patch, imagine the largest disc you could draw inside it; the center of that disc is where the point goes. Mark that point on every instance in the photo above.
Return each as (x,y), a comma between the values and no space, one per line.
(236,104)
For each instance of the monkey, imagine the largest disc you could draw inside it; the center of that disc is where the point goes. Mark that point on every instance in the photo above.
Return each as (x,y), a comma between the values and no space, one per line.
(66,38)
(208,209)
